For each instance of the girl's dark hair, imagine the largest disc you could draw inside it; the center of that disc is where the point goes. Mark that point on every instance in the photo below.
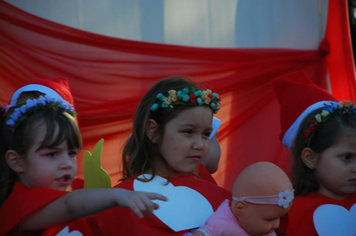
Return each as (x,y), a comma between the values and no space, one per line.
(28,95)
(324,136)
(139,151)
(21,138)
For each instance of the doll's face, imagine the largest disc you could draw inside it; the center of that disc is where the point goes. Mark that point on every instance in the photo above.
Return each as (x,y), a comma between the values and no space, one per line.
(185,141)
(260,219)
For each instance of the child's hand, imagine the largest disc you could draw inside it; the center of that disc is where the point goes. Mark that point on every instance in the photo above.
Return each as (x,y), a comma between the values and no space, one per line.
(139,202)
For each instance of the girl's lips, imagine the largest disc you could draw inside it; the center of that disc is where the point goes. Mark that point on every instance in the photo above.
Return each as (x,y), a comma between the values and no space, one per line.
(194,158)
(64,180)
(353,181)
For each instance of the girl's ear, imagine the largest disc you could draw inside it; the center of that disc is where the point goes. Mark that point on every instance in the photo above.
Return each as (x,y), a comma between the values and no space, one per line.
(14,160)
(152,131)
(309,157)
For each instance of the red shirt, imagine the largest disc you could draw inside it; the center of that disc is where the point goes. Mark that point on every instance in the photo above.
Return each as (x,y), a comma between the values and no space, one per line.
(23,200)
(122,221)
(203,173)
(301,214)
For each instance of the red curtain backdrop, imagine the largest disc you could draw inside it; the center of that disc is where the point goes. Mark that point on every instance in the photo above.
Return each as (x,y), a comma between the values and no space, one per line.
(340,61)
(108,76)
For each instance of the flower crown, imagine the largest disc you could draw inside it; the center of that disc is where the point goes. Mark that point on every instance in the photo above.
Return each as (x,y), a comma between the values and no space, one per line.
(282,199)
(342,107)
(187,96)
(17,115)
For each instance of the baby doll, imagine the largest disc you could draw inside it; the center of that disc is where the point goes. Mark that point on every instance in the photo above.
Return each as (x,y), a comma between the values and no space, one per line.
(262,194)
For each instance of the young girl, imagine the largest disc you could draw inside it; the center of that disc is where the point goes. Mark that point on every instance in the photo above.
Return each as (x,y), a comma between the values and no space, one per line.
(170,139)
(321,134)
(39,143)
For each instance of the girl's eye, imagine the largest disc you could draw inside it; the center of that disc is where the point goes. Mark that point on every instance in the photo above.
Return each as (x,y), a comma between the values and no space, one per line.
(73,153)
(207,134)
(346,157)
(269,220)
(188,131)
(51,154)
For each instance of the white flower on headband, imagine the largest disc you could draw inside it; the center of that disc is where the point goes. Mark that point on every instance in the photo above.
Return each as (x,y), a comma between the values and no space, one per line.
(285,198)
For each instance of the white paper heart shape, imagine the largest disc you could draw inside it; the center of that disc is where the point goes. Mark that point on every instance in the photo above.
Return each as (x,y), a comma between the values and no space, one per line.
(185,208)
(330,219)
(65,232)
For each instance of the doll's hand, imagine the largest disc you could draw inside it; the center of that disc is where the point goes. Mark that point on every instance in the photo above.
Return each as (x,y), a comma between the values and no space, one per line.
(139,202)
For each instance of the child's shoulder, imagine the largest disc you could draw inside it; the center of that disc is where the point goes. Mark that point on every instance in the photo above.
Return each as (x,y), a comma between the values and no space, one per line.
(313,197)
(310,201)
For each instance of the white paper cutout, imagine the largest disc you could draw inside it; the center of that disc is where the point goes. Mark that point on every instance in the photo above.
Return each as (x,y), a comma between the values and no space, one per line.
(65,232)
(330,219)
(185,208)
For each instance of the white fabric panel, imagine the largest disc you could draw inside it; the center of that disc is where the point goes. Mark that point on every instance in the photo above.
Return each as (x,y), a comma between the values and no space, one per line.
(296,24)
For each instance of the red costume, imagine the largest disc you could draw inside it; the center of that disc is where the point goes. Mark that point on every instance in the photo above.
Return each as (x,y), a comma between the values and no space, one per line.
(23,200)
(123,221)
(205,174)
(301,215)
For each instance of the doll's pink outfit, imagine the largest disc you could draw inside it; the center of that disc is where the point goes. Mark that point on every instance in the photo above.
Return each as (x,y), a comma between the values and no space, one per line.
(223,222)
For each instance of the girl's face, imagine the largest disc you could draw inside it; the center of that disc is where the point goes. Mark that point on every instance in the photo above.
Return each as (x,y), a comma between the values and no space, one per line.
(185,141)
(335,168)
(53,168)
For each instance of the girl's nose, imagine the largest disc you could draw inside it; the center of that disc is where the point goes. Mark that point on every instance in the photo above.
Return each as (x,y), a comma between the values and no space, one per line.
(198,143)
(66,162)
(354,167)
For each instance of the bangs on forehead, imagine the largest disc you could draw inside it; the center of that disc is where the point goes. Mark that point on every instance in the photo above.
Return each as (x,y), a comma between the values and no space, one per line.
(59,129)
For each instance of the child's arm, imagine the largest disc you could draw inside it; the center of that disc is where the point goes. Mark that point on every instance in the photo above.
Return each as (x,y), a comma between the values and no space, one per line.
(85,202)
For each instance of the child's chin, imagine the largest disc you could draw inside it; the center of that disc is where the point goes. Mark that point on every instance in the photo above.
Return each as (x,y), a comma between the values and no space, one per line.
(63,188)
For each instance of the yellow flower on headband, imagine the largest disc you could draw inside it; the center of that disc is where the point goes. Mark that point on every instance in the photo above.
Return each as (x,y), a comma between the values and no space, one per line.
(205,97)
(167,100)
(173,95)
(324,113)
(318,118)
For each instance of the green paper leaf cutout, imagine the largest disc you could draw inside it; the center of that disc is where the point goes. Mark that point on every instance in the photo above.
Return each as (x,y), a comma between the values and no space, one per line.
(94,175)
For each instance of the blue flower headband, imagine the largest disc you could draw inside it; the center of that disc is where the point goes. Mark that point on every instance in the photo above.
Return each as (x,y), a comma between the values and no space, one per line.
(187,96)
(342,107)
(19,114)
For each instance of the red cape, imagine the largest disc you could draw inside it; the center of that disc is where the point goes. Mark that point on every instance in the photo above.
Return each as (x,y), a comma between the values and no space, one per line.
(123,221)
(23,201)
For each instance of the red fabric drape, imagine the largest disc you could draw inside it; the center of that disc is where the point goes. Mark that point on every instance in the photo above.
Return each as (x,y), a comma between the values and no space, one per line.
(340,61)
(108,76)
